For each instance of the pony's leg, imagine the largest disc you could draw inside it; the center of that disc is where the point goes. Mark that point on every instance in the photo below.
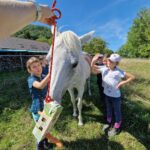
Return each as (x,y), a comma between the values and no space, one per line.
(89,86)
(73,100)
(80,94)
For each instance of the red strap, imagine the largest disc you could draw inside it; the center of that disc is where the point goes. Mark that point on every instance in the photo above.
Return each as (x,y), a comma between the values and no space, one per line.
(48,98)
(54,3)
(52,21)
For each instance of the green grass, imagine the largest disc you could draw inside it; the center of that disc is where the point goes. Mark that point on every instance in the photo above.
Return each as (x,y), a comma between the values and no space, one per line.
(16,123)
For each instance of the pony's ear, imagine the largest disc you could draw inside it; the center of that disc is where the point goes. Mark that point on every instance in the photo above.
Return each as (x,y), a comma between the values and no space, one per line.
(86,37)
(57,31)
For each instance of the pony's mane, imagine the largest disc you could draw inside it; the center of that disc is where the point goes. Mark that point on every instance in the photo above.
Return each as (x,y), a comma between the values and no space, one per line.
(71,41)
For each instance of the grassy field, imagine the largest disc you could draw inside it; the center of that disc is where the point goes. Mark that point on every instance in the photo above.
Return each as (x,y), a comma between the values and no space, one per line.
(16,123)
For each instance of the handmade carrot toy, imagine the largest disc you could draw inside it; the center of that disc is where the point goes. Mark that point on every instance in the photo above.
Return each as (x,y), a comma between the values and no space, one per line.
(52,110)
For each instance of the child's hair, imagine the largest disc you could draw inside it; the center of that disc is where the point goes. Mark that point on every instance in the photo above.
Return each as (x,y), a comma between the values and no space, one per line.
(41,57)
(106,56)
(31,61)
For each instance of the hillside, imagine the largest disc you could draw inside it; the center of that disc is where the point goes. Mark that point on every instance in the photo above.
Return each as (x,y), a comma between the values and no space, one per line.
(34,32)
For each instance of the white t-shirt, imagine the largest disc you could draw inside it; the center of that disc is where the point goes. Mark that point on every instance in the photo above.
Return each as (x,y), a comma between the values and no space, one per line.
(110,80)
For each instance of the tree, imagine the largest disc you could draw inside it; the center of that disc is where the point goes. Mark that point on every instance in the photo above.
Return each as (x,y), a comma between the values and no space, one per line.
(43,34)
(97,45)
(138,41)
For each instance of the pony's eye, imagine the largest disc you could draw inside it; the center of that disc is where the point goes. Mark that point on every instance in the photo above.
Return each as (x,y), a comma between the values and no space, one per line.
(74,65)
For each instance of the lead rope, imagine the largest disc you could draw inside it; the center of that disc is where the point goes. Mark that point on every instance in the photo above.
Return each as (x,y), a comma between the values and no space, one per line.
(52,21)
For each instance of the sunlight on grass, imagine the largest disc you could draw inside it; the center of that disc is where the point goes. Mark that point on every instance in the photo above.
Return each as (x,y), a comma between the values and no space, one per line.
(16,123)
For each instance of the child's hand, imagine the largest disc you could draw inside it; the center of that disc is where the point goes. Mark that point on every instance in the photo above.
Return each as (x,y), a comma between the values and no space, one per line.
(41,113)
(97,56)
(95,67)
(48,73)
(120,84)
(46,14)
(95,59)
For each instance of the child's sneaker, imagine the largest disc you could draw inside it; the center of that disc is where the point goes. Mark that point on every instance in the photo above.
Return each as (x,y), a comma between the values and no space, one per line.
(106,127)
(55,141)
(114,131)
(47,145)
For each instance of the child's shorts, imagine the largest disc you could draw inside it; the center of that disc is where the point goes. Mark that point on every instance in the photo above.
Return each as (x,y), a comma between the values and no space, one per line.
(35,116)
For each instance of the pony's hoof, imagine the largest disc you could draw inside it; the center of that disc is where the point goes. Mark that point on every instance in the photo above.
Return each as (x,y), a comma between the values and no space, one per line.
(74,115)
(80,124)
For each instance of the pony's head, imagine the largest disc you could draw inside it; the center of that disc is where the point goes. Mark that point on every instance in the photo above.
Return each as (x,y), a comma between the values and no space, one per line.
(67,53)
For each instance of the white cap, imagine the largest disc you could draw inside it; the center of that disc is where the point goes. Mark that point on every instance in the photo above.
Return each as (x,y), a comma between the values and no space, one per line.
(115,58)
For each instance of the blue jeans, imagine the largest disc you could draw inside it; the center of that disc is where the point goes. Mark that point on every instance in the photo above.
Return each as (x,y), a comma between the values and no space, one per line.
(113,103)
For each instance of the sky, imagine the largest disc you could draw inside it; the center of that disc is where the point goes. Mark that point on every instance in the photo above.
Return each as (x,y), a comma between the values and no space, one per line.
(110,19)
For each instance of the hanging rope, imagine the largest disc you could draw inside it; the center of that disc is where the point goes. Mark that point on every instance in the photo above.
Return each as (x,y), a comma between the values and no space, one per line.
(52,21)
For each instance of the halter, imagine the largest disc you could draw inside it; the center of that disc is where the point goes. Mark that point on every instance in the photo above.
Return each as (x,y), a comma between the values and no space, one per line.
(52,21)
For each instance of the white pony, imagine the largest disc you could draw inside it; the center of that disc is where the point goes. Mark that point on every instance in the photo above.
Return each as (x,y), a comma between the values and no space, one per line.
(71,68)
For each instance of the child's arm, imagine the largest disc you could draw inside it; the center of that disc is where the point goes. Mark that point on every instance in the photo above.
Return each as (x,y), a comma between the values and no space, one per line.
(129,77)
(19,14)
(94,67)
(42,84)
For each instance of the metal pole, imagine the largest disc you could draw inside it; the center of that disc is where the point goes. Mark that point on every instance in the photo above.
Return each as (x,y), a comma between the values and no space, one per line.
(21,61)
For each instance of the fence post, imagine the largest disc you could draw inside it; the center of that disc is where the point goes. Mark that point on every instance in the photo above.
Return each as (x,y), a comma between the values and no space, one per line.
(21,61)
